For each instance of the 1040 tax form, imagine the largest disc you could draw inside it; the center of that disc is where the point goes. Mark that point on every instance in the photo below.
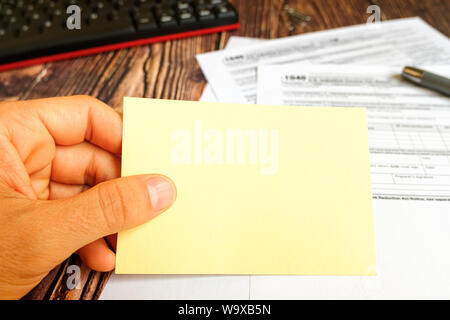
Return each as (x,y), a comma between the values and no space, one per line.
(233,77)
(409,126)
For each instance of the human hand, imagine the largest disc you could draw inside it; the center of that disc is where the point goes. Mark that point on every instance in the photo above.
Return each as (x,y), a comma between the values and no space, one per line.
(52,151)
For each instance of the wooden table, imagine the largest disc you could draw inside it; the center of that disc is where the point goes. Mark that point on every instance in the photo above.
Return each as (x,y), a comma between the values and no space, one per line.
(169,71)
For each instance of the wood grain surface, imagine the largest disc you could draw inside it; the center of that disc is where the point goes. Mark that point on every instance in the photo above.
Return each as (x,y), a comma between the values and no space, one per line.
(169,71)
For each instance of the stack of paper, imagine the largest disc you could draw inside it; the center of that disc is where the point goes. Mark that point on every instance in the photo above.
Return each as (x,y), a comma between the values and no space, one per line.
(357,66)
(232,73)
(408,134)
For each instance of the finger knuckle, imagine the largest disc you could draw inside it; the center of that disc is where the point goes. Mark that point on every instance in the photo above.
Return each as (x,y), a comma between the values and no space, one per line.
(86,97)
(112,206)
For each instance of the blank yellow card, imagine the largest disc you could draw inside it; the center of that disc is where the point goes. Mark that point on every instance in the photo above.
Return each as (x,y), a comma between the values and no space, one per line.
(261,189)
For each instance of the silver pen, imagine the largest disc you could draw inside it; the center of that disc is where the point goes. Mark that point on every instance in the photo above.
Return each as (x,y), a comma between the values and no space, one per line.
(427,79)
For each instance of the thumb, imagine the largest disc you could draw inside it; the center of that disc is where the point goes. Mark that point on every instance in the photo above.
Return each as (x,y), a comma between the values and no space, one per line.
(107,208)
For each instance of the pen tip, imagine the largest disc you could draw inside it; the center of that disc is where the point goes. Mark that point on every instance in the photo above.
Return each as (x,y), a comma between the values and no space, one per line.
(412,74)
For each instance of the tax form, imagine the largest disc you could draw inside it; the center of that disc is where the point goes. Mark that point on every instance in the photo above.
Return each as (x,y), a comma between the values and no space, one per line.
(409,126)
(233,74)
(208,94)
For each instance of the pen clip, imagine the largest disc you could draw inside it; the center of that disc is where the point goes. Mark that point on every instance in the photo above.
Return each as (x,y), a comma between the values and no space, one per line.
(295,17)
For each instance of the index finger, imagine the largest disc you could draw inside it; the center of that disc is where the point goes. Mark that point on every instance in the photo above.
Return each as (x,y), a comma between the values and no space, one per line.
(71,120)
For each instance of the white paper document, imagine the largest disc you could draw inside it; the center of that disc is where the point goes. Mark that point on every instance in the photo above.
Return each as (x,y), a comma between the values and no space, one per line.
(208,94)
(413,260)
(409,126)
(233,74)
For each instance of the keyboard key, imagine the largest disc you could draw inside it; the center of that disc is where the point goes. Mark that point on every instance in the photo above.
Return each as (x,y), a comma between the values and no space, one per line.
(182,5)
(166,20)
(164,8)
(28,30)
(46,25)
(186,16)
(142,12)
(8,12)
(56,12)
(165,15)
(145,3)
(210,4)
(168,2)
(147,23)
(205,14)
(224,11)
(217,2)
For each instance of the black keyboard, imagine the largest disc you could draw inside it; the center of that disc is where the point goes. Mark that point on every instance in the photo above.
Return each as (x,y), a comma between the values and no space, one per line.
(37,31)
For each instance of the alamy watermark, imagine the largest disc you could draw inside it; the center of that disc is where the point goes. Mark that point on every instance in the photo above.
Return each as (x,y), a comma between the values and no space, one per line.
(73,22)
(73,280)
(231,146)
(375,12)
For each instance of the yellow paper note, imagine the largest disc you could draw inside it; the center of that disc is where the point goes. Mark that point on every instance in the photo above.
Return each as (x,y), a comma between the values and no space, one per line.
(261,189)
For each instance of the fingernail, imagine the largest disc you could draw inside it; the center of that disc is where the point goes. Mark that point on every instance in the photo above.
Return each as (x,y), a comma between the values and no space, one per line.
(162,193)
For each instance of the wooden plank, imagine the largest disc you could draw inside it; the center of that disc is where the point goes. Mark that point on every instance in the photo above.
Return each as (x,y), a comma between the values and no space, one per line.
(268,19)
(15,84)
(434,12)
